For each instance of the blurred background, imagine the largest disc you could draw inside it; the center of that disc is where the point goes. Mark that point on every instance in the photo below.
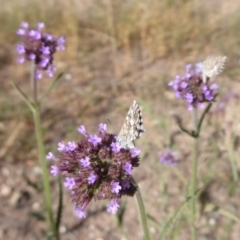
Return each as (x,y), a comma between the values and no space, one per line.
(118,51)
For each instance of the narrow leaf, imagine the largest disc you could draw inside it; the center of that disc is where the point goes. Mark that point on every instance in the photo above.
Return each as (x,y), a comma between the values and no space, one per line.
(54,83)
(224,212)
(179,123)
(23,96)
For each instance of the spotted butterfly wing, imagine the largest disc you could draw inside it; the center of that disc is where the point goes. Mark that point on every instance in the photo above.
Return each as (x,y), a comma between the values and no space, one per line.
(132,127)
(212,67)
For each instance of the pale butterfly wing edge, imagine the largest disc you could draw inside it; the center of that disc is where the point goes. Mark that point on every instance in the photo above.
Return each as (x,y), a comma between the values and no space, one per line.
(132,127)
(211,67)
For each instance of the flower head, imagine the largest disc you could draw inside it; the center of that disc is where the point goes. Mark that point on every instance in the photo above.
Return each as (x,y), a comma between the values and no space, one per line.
(38,47)
(195,88)
(168,158)
(96,167)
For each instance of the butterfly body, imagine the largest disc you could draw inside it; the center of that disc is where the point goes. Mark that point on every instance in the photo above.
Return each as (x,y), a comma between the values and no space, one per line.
(132,127)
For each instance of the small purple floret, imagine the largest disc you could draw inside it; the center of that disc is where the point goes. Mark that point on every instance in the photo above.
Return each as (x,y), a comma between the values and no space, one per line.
(85,162)
(92,178)
(102,127)
(135,152)
(115,187)
(168,158)
(61,147)
(128,168)
(69,183)
(116,147)
(54,170)
(94,139)
(113,206)
(50,156)
(70,146)
(82,130)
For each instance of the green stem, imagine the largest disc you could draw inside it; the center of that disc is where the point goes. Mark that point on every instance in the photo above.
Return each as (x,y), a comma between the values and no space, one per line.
(34,82)
(193,183)
(142,213)
(43,162)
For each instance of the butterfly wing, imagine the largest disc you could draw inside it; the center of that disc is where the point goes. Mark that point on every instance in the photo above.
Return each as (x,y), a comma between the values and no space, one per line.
(132,127)
(212,67)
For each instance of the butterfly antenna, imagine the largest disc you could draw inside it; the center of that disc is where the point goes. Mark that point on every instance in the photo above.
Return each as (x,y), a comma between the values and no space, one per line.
(108,120)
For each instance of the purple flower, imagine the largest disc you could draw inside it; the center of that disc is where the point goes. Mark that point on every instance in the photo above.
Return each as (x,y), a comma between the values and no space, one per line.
(115,187)
(128,168)
(96,171)
(189,97)
(20,48)
(61,147)
(21,59)
(71,146)
(24,25)
(51,70)
(92,178)
(54,170)
(113,206)
(36,46)
(135,152)
(41,26)
(125,184)
(50,156)
(80,211)
(38,75)
(85,162)
(116,147)
(32,56)
(82,130)
(168,158)
(21,32)
(193,88)
(69,183)
(94,139)
(102,127)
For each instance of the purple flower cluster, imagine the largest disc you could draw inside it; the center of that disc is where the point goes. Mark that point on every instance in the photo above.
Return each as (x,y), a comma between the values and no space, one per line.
(96,167)
(192,88)
(168,158)
(38,47)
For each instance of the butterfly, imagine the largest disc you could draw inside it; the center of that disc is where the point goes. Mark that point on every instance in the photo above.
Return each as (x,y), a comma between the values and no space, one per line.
(212,67)
(132,127)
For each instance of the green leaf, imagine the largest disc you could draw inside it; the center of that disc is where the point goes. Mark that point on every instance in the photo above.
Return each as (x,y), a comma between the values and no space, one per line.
(54,83)
(23,96)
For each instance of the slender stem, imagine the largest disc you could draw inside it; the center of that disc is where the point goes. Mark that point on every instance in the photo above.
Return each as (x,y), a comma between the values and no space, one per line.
(43,162)
(142,214)
(33,81)
(41,150)
(193,183)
